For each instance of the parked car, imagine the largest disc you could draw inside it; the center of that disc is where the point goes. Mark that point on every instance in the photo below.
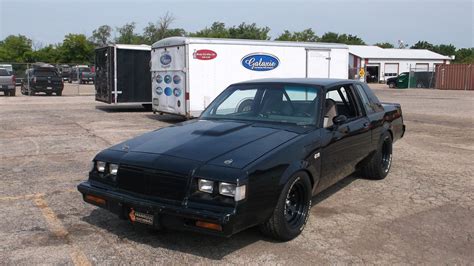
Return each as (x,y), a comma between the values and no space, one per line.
(83,74)
(255,157)
(65,71)
(8,67)
(7,82)
(42,78)
(418,79)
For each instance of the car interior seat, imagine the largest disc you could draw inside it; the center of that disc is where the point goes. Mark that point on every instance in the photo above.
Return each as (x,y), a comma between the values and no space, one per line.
(330,112)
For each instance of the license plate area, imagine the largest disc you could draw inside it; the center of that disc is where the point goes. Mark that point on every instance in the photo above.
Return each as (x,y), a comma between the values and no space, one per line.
(141,217)
(49,88)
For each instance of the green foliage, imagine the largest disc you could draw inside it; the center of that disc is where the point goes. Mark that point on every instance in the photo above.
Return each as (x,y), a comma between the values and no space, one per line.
(465,56)
(101,36)
(155,32)
(249,31)
(217,30)
(127,35)
(423,45)
(76,49)
(50,54)
(384,45)
(306,35)
(341,38)
(15,48)
(243,31)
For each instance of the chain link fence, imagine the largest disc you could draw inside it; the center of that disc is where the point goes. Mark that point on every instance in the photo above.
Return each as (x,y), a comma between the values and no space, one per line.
(31,79)
(421,77)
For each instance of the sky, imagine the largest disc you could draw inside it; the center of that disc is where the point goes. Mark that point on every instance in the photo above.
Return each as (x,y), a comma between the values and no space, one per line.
(436,21)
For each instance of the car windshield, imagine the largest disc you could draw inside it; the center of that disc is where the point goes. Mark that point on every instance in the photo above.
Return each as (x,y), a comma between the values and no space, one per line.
(4,72)
(45,73)
(281,103)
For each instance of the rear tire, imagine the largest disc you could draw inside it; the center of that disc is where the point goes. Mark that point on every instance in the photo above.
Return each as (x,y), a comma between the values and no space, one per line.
(59,93)
(292,210)
(379,164)
(13,93)
(391,85)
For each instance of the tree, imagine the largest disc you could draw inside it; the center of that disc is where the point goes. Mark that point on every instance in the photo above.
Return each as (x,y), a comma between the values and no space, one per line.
(155,32)
(101,36)
(306,35)
(217,30)
(243,31)
(423,45)
(48,54)
(76,49)
(384,45)
(445,49)
(127,35)
(13,48)
(465,56)
(341,38)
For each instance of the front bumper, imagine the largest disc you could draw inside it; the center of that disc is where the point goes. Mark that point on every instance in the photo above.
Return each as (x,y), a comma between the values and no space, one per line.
(165,215)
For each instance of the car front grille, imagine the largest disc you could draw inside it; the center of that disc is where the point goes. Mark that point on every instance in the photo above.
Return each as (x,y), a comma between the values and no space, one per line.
(152,183)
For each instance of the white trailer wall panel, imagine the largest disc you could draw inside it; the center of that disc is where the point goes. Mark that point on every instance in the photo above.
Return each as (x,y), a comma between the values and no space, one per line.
(205,77)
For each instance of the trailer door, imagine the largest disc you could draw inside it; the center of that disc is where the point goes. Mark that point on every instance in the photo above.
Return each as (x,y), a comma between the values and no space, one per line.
(168,66)
(317,63)
(104,79)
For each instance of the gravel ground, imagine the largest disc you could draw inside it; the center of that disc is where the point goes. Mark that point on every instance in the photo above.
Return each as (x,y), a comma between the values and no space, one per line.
(421,213)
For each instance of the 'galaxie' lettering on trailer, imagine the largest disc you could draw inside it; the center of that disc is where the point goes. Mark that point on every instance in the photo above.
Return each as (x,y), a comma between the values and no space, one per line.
(260,62)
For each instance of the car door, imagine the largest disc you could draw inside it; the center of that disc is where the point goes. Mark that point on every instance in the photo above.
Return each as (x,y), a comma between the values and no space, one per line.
(344,145)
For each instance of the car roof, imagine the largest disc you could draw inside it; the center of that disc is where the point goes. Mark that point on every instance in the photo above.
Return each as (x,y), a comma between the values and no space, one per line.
(323,82)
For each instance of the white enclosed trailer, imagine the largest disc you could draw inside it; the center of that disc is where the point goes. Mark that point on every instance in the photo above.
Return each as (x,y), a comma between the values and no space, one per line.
(188,73)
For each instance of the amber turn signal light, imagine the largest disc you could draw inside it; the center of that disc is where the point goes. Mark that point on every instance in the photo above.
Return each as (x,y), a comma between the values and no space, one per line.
(96,200)
(211,226)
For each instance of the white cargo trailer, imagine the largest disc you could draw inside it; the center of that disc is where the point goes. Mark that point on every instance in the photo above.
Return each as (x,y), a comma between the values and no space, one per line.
(188,73)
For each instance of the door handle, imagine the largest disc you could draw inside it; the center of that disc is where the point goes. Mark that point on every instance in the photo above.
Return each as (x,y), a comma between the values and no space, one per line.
(366,124)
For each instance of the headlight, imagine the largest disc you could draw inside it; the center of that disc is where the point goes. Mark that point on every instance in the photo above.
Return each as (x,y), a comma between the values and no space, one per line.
(113,169)
(100,166)
(205,185)
(231,190)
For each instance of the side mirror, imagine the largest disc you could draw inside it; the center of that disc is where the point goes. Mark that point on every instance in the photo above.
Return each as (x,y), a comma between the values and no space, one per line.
(340,119)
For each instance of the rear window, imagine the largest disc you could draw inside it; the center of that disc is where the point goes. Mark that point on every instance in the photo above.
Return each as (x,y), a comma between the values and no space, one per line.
(4,72)
(45,73)
(84,69)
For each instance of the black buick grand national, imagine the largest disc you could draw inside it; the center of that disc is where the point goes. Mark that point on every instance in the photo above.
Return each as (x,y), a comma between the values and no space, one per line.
(255,157)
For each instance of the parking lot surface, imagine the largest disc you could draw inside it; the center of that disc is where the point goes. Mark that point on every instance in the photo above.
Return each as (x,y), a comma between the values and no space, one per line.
(423,212)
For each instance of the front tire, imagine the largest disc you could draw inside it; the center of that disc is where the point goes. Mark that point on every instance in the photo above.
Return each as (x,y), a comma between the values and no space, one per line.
(391,85)
(379,164)
(292,210)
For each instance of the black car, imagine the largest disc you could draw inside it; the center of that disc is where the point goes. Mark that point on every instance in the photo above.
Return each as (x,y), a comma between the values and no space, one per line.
(255,156)
(42,78)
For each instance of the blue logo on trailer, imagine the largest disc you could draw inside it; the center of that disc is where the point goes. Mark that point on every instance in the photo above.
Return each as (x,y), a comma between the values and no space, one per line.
(176,79)
(167,79)
(168,91)
(159,78)
(177,92)
(260,62)
(159,91)
(165,59)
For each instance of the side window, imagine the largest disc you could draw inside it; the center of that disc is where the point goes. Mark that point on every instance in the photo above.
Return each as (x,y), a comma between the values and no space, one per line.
(368,106)
(343,100)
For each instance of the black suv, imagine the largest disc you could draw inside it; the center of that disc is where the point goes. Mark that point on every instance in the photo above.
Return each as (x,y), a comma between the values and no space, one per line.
(42,78)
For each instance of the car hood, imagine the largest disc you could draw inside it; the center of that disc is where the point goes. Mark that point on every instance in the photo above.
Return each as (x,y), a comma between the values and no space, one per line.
(224,143)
